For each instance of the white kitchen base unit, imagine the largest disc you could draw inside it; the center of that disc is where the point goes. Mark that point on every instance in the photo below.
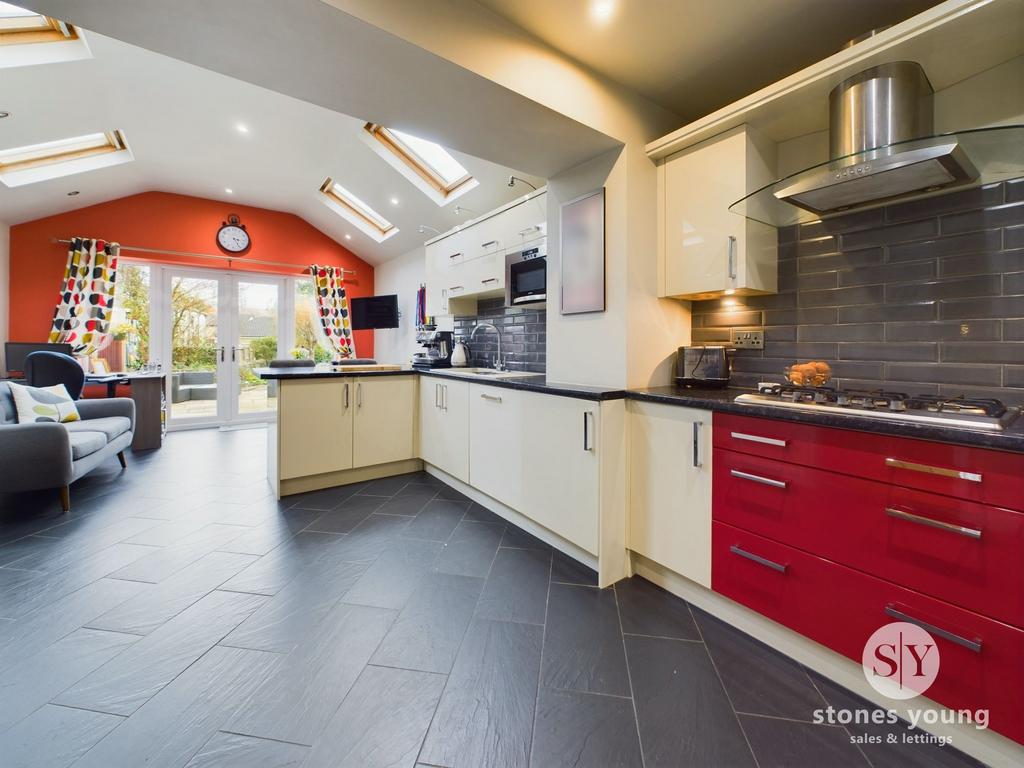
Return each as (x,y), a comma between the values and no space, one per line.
(985,745)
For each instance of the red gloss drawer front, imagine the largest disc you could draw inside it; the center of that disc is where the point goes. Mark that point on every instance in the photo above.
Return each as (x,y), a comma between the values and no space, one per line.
(965,553)
(982,660)
(977,474)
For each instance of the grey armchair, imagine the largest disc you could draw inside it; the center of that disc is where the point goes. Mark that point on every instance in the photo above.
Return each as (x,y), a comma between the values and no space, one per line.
(50,455)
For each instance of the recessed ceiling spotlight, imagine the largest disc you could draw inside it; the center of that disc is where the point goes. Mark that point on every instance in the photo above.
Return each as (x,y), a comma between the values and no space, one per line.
(229,190)
(73,192)
(348,237)
(601,11)
(4,114)
(242,127)
(394,201)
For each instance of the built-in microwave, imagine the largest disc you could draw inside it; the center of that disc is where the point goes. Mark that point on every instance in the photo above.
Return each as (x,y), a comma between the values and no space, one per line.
(526,275)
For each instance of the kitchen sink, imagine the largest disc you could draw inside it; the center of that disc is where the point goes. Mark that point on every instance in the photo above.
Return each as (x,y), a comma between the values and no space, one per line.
(489,373)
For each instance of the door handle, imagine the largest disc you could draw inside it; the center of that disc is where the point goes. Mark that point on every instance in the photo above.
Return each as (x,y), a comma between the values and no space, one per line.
(489,280)
(222,354)
(972,645)
(359,394)
(757,479)
(492,398)
(346,395)
(758,559)
(732,257)
(489,243)
(587,444)
(456,288)
(437,395)
(696,443)
(971,533)
(974,477)
(758,439)
(444,397)
(455,255)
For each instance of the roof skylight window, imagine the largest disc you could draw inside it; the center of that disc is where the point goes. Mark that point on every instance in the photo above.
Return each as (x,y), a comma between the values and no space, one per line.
(426,164)
(63,157)
(357,212)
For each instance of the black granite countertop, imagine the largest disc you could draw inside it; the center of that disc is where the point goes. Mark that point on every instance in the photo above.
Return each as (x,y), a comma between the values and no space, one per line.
(314,373)
(534,383)
(723,400)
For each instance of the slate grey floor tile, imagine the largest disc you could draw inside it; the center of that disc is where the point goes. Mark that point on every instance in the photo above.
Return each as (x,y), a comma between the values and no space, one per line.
(42,676)
(759,680)
(172,726)
(485,716)
(54,737)
(384,486)
(296,701)
(895,754)
(422,490)
(271,533)
(347,516)
(436,520)
(517,586)
(273,571)
(289,617)
(168,532)
(229,750)
(647,609)
(393,577)
(449,493)
(166,561)
(684,714)
(382,721)
(126,682)
(37,590)
(471,549)
(368,540)
(408,505)
(427,633)
(63,547)
(582,642)
(517,538)
(326,499)
(568,570)
(787,743)
(577,729)
(162,602)
(481,514)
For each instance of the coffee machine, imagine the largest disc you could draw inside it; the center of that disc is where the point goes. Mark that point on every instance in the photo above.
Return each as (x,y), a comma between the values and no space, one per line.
(437,346)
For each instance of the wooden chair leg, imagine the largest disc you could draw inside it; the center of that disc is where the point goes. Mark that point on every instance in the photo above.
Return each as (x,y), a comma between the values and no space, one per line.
(65,498)
(120,457)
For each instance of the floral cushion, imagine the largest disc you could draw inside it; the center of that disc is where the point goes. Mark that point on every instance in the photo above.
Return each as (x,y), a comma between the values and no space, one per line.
(43,404)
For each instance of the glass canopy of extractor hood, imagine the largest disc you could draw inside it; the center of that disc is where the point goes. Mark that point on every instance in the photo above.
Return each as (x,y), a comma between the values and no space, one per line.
(996,152)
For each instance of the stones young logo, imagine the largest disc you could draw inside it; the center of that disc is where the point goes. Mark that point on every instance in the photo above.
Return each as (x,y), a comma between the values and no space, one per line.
(900,660)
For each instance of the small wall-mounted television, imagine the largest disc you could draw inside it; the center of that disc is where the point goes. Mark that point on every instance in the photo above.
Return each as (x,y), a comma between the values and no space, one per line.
(375,312)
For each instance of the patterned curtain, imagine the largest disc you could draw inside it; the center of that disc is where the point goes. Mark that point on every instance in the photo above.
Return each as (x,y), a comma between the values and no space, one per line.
(332,306)
(82,317)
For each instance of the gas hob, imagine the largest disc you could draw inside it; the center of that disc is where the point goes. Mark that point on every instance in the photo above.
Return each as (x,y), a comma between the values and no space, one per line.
(961,411)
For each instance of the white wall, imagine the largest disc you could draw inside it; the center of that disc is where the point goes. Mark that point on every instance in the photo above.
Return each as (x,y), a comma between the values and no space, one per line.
(5,286)
(402,275)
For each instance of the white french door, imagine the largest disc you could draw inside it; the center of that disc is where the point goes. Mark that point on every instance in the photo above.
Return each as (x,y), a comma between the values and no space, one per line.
(215,329)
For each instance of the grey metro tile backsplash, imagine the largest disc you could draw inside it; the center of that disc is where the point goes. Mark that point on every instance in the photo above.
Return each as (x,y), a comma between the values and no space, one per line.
(920,297)
(523,336)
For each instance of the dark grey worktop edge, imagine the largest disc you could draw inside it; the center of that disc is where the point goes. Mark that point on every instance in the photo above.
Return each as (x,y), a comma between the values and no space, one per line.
(277,374)
(721,400)
(537,383)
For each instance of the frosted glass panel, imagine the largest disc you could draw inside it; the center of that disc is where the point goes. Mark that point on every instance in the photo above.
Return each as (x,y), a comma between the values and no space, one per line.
(582,270)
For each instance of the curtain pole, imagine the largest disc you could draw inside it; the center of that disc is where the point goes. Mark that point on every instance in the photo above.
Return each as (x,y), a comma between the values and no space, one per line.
(229,259)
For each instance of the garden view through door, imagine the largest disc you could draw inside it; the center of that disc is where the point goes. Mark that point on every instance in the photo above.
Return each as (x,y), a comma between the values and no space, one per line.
(197,351)
(256,342)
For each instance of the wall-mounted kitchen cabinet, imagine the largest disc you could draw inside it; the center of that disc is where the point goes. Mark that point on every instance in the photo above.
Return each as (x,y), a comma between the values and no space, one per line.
(466,265)
(444,425)
(705,250)
(670,487)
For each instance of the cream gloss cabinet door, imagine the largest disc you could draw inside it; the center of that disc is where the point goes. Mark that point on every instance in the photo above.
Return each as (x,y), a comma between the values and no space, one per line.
(708,249)
(384,424)
(561,483)
(314,423)
(496,443)
(670,487)
(444,425)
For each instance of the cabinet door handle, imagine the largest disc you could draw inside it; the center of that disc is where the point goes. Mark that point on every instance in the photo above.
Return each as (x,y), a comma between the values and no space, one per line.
(974,477)
(529,230)
(346,395)
(732,257)
(489,243)
(758,559)
(437,395)
(588,444)
(456,288)
(757,479)
(972,645)
(492,398)
(455,255)
(758,439)
(489,280)
(971,533)
(697,425)
(359,394)
(444,397)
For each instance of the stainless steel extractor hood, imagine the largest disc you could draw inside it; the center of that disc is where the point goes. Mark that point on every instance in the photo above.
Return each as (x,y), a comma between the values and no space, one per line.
(881,148)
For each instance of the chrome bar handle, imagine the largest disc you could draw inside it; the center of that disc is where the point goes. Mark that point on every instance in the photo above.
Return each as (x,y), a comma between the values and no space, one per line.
(588,444)
(437,395)
(732,257)
(455,255)
(489,243)
(697,425)
(971,645)
(757,479)
(489,280)
(758,439)
(359,394)
(971,533)
(346,395)
(444,397)
(758,559)
(492,398)
(974,477)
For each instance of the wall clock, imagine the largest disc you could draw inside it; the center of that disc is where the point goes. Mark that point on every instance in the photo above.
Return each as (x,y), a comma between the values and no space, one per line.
(232,236)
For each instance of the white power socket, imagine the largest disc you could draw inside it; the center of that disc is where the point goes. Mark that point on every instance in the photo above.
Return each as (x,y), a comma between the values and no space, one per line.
(746,339)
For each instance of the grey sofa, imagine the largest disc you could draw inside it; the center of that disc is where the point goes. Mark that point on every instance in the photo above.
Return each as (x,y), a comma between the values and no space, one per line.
(49,455)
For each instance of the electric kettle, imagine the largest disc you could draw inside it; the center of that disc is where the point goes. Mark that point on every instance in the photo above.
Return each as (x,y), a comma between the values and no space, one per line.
(460,355)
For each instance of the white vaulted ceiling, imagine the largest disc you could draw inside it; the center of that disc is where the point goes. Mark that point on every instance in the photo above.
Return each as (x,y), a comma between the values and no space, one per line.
(181,124)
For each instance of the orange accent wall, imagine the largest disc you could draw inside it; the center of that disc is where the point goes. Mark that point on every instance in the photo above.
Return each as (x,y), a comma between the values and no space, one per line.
(169,222)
